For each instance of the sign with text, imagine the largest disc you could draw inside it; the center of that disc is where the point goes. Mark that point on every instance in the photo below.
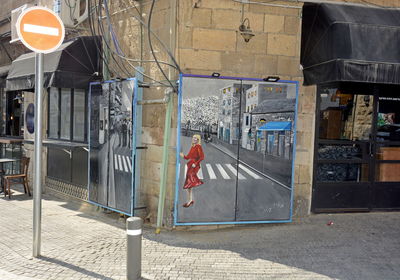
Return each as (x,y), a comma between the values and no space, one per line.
(40,29)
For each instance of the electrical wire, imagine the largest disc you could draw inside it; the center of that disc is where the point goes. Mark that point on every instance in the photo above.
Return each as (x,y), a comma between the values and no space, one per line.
(144,24)
(135,68)
(93,32)
(101,30)
(71,9)
(96,11)
(151,46)
(140,20)
(121,54)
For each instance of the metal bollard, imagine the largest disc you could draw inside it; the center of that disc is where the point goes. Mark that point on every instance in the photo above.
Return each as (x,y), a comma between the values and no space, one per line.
(134,248)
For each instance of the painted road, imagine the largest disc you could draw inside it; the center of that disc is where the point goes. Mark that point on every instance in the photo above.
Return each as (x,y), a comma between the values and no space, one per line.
(232,190)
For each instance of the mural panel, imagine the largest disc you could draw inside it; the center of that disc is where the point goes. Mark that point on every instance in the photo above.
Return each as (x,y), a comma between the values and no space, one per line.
(235,150)
(112,145)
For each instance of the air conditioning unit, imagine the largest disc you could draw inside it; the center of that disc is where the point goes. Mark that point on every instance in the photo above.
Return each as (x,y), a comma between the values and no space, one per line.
(14,17)
(71,12)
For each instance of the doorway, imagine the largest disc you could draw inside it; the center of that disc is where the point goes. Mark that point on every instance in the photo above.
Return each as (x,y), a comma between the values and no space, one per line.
(357,148)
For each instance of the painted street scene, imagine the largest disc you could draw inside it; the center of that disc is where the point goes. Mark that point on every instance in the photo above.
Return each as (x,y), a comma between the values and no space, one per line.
(246,134)
(199,139)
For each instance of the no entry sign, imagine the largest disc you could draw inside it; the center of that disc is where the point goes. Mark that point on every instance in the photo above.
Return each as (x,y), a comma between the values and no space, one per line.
(40,29)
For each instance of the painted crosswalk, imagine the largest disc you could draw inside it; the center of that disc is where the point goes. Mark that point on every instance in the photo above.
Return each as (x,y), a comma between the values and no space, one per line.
(225,171)
(235,172)
(222,171)
(122,163)
(211,172)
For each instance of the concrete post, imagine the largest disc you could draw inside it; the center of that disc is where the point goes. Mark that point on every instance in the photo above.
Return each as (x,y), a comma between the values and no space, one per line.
(134,248)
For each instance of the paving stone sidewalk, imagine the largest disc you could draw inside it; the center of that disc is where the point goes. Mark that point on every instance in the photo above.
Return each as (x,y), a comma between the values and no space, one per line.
(79,243)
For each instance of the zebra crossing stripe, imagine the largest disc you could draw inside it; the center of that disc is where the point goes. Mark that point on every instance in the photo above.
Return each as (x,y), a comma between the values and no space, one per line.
(116,162)
(248,171)
(200,174)
(129,164)
(120,163)
(222,171)
(234,171)
(125,165)
(211,171)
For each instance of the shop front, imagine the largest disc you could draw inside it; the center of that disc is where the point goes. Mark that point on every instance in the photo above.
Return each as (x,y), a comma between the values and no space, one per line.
(67,74)
(357,132)
(357,150)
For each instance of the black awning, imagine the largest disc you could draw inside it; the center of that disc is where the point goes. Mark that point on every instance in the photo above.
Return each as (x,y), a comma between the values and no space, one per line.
(73,65)
(343,42)
(3,75)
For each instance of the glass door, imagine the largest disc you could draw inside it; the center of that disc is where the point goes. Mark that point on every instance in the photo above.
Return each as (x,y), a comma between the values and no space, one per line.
(343,146)
(386,187)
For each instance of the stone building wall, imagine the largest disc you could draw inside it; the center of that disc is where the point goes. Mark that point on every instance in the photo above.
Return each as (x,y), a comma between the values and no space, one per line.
(207,41)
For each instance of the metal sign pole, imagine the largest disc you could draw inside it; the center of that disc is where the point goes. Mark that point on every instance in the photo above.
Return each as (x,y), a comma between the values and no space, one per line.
(37,186)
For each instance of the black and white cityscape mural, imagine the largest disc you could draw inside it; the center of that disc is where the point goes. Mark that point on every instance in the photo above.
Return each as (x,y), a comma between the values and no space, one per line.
(112,145)
(235,150)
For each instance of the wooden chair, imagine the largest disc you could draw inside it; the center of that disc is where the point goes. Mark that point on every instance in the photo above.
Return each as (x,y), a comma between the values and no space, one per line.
(13,179)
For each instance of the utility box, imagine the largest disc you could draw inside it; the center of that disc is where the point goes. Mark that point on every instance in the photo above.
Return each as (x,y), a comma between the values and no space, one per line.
(14,17)
(71,12)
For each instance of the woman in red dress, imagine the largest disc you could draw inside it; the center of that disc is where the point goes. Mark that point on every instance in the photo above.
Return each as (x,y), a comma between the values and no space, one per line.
(195,156)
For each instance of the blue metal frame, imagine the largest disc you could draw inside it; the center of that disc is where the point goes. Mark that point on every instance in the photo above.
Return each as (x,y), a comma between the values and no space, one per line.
(178,144)
(134,101)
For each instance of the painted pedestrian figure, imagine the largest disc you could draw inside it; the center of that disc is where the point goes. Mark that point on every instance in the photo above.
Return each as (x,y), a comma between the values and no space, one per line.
(194,157)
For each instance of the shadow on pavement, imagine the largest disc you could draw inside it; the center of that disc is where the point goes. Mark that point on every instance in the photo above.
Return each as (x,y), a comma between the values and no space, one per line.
(354,246)
(75,268)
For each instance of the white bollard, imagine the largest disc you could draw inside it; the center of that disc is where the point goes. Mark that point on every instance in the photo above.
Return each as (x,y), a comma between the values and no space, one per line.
(134,248)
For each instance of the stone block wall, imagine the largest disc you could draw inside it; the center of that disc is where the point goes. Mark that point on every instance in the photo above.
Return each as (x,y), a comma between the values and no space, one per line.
(209,41)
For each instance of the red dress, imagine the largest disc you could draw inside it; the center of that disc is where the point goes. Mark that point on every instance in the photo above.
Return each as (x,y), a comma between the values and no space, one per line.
(194,156)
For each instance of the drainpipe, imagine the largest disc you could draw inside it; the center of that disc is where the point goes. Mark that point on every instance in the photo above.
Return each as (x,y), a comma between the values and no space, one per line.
(164,164)
(167,128)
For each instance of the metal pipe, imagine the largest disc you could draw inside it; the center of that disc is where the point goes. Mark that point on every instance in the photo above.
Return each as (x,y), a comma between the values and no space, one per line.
(269,4)
(168,113)
(37,187)
(164,164)
(154,101)
(138,135)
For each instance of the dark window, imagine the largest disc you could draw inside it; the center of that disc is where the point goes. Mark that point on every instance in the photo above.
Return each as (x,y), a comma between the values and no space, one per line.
(67,114)
(79,116)
(54,112)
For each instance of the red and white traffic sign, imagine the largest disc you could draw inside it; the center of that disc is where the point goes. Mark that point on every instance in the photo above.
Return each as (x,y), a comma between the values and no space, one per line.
(40,29)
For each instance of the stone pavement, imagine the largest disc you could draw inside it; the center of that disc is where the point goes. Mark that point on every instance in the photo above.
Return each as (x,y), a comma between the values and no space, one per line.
(80,243)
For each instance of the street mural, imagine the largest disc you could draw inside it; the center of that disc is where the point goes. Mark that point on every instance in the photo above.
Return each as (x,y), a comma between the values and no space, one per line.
(235,150)
(111,145)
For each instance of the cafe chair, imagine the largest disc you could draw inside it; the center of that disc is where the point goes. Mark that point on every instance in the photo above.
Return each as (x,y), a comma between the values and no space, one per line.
(21,178)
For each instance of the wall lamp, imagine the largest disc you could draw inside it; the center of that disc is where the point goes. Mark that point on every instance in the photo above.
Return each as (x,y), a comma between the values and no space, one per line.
(271,79)
(245,30)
